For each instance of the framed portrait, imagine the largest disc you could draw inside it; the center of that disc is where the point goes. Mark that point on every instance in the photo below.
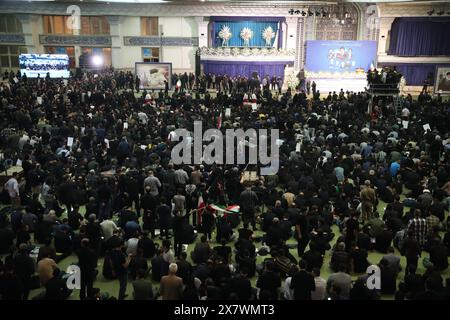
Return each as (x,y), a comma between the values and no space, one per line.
(442,82)
(153,74)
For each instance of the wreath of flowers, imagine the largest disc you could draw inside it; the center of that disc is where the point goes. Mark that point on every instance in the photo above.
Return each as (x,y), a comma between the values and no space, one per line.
(246,35)
(225,34)
(268,34)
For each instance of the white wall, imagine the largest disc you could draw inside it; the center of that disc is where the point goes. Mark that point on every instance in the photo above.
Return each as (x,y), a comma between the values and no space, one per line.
(128,55)
(182,58)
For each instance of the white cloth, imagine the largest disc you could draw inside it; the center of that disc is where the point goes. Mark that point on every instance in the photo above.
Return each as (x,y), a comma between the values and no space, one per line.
(108,227)
(321,288)
(12,186)
(288,293)
(132,246)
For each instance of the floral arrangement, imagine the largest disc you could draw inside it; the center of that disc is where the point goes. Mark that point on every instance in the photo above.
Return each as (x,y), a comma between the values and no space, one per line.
(246,51)
(255,51)
(246,35)
(268,34)
(292,80)
(225,34)
(264,52)
(235,51)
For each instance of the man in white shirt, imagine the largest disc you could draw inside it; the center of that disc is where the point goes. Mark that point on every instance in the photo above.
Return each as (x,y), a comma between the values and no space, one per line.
(12,186)
(405,113)
(132,245)
(108,226)
(321,286)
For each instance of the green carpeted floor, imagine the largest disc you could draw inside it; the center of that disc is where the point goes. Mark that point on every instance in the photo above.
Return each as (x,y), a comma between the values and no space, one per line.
(112,286)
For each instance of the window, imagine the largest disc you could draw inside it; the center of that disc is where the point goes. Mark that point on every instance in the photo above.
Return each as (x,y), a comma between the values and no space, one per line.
(70,51)
(9,23)
(150,54)
(56,25)
(9,56)
(93,25)
(149,26)
(88,25)
(105,53)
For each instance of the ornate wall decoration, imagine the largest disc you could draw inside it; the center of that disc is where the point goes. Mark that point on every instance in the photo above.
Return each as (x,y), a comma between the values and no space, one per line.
(75,40)
(158,41)
(12,38)
(340,24)
(254,54)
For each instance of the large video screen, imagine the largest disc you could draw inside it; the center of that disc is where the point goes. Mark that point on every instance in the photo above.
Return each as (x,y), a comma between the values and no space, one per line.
(153,74)
(34,65)
(340,56)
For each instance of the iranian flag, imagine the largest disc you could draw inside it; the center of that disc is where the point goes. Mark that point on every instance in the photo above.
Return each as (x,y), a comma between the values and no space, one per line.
(200,208)
(232,209)
(219,121)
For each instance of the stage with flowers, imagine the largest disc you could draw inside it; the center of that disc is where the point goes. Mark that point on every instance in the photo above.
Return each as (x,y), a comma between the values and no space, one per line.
(245,61)
(242,46)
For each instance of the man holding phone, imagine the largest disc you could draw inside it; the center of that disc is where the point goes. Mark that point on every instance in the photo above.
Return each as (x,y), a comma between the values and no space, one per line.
(120,262)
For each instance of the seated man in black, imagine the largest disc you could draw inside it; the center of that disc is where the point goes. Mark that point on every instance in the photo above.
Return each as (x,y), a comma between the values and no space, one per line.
(438,256)
(313,257)
(224,230)
(241,285)
(388,278)
(383,240)
(223,251)
(320,241)
(340,258)
(358,257)
(147,245)
(63,243)
(157,265)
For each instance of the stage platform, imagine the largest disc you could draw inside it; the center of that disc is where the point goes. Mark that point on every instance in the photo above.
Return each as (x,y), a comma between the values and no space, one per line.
(326,85)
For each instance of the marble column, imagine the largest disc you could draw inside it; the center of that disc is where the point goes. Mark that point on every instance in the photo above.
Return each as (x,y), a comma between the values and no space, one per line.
(291,40)
(29,32)
(202,23)
(385,27)
(116,41)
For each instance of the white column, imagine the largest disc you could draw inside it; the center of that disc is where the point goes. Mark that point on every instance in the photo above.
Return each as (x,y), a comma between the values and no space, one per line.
(116,41)
(284,31)
(291,39)
(202,23)
(28,31)
(385,26)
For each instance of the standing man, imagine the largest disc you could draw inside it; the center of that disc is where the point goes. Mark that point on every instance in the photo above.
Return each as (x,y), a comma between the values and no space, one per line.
(418,227)
(87,261)
(120,262)
(248,201)
(12,186)
(171,286)
(313,88)
(303,283)
(368,201)
(152,182)
(137,83)
(308,87)
(24,268)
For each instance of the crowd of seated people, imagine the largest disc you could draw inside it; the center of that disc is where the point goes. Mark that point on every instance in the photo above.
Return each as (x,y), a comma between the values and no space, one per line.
(97,185)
